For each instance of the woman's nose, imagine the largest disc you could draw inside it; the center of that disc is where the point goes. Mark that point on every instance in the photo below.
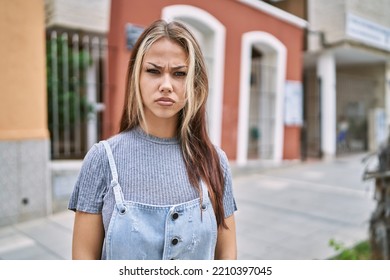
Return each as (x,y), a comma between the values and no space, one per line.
(166,84)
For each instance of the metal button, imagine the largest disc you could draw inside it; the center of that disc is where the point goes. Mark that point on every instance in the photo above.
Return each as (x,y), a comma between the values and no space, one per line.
(123,210)
(175,216)
(175,241)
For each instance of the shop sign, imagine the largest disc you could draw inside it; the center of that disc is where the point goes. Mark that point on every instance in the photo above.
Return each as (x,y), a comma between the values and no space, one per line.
(368,32)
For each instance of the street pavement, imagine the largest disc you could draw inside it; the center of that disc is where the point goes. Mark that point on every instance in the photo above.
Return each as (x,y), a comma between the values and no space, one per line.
(285,212)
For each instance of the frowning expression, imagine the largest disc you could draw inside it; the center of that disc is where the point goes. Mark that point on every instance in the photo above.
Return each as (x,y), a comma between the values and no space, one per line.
(162,81)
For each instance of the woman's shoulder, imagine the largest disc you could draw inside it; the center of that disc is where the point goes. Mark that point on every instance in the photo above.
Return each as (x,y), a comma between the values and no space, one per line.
(120,139)
(97,151)
(221,153)
(222,157)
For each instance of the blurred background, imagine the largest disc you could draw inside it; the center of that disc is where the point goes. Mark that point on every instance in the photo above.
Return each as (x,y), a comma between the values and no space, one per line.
(291,81)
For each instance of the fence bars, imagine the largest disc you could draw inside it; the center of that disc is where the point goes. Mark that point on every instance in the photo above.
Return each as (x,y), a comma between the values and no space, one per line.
(54,94)
(75,92)
(66,94)
(76,82)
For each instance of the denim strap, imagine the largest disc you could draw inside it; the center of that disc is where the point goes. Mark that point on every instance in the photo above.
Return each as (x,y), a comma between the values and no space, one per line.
(114,182)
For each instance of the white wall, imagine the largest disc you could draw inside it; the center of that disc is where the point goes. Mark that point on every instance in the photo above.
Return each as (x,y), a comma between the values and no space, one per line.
(330,17)
(377,11)
(88,15)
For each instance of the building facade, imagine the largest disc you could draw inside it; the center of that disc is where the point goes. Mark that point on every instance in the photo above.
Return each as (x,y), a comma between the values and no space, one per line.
(350,54)
(24,137)
(74,82)
(254,56)
(346,73)
(76,64)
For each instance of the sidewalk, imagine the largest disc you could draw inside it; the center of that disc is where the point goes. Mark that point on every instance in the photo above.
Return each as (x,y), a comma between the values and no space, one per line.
(293,212)
(288,212)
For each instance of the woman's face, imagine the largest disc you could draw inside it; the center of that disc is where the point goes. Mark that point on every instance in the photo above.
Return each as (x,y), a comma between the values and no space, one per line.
(162,81)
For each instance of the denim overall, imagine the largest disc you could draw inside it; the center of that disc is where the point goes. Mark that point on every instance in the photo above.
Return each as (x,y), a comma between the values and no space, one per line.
(140,231)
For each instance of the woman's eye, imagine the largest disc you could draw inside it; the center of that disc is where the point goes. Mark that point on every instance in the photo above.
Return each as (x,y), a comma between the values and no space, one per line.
(152,71)
(180,74)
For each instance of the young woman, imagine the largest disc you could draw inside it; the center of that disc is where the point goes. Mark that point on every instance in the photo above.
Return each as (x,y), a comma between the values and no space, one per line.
(158,189)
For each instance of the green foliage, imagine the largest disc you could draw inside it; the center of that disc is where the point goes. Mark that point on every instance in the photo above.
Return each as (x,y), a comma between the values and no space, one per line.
(66,82)
(361,251)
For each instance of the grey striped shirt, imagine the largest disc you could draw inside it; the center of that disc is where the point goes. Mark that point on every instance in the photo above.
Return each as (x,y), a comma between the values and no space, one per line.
(151,170)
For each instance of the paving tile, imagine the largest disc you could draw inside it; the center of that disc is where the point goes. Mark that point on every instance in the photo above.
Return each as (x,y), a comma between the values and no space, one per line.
(30,253)
(14,242)
(287,213)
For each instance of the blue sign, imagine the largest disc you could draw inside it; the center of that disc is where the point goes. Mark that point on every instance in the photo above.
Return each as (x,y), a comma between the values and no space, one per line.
(132,34)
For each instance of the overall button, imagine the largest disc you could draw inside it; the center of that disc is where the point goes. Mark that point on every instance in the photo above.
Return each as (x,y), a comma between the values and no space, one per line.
(175,216)
(175,241)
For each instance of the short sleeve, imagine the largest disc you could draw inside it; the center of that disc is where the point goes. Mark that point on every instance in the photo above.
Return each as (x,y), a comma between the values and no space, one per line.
(229,202)
(92,182)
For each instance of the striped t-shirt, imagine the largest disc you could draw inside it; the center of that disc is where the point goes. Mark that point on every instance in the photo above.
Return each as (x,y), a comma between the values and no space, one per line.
(151,170)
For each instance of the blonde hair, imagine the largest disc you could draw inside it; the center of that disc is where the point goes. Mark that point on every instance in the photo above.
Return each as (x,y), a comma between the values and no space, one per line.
(201,158)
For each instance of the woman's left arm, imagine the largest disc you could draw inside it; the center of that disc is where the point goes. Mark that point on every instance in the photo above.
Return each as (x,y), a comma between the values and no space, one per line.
(226,248)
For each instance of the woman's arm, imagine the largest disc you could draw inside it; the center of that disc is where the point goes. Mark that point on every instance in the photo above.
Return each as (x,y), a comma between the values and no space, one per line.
(226,248)
(88,236)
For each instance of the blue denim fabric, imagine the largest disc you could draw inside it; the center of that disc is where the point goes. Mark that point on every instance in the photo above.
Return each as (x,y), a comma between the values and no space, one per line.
(151,232)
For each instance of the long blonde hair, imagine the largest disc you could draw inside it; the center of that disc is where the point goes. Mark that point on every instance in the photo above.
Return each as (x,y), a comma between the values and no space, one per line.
(201,158)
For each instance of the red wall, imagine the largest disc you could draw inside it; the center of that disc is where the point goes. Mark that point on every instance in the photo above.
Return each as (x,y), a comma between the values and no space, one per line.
(237,19)
(292,142)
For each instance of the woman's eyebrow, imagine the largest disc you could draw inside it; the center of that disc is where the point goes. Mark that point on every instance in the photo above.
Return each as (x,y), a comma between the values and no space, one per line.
(173,68)
(154,65)
(179,67)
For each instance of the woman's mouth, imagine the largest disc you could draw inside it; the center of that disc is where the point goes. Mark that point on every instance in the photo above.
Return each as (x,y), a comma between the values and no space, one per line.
(165,101)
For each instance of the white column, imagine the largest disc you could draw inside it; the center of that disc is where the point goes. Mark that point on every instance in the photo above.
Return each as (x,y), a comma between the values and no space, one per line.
(326,72)
(92,132)
(387,93)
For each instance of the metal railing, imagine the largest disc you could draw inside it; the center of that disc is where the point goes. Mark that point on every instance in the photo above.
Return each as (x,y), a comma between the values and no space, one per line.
(75,88)
(262,111)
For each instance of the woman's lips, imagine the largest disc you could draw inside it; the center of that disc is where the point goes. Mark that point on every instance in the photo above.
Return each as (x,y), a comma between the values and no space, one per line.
(165,101)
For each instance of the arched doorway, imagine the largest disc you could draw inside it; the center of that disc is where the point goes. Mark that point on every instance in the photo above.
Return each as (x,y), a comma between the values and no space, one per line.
(260,127)
(210,33)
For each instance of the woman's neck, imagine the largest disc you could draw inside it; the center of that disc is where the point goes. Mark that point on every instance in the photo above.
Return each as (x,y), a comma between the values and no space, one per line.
(160,129)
